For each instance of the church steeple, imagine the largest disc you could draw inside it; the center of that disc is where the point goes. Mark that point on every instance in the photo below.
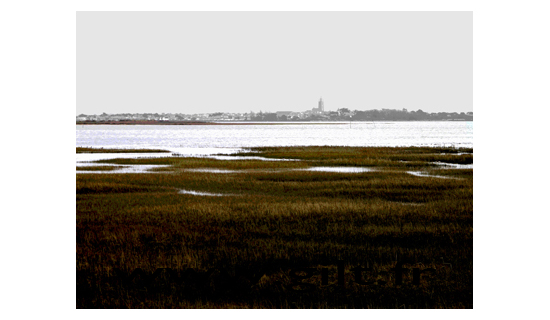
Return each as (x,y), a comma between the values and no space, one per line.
(321,107)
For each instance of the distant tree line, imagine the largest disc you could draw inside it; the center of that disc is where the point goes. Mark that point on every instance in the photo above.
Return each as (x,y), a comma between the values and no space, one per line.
(345,114)
(342,114)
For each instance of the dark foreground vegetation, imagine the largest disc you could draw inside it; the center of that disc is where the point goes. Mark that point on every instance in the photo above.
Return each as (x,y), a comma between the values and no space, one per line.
(282,237)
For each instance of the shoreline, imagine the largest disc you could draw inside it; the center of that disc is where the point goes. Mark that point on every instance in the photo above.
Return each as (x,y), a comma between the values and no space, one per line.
(199,123)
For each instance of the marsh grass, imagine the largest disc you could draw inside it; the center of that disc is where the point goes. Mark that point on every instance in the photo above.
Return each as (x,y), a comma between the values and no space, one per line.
(239,252)
(98,168)
(457,173)
(368,156)
(196,163)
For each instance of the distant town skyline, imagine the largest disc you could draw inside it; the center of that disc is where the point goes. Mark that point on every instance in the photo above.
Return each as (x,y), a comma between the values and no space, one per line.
(205,62)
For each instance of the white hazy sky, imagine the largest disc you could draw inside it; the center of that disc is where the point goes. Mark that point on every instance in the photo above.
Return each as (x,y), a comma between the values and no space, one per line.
(192,62)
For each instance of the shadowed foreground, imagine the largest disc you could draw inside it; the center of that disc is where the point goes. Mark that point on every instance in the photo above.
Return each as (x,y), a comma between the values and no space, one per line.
(281,238)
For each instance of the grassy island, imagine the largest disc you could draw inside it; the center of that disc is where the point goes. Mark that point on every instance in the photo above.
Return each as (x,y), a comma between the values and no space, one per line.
(206,233)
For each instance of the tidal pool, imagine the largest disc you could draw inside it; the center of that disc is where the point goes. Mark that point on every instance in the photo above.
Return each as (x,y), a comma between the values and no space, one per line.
(199,193)
(455,165)
(339,169)
(422,174)
(214,170)
(135,168)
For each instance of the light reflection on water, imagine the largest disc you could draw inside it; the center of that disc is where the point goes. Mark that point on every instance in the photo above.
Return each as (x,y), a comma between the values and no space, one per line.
(247,158)
(211,153)
(455,165)
(339,169)
(200,138)
(147,168)
(211,170)
(316,169)
(423,174)
(211,140)
(134,168)
(84,157)
(199,193)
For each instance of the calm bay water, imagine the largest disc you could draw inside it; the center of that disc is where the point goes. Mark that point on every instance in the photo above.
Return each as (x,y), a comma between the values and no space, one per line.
(205,139)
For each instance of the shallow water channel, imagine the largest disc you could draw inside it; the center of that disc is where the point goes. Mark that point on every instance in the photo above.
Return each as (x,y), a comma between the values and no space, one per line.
(423,174)
(124,168)
(200,193)
(87,160)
